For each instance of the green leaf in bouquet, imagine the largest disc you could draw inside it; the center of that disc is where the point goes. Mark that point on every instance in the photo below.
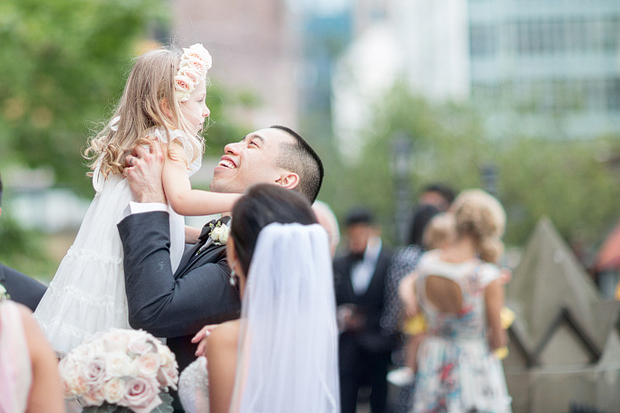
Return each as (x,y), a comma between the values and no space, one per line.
(106,408)
(166,405)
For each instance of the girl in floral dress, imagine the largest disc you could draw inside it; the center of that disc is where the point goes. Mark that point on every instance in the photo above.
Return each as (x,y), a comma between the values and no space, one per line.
(163,100)
(459,290)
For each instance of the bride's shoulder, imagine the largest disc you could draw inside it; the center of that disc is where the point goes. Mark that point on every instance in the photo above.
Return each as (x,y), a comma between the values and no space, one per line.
(226,334)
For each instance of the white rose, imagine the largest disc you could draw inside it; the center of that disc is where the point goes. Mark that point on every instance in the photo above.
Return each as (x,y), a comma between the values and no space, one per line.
(224,235)
(74,383)
(215,233)
(141,345)
(114,390)
(119,364)
(199,52)
(166,356)
(115,340)
(168,375)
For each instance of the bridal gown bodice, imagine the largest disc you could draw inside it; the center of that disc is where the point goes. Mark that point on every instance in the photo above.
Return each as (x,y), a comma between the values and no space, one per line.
(194,387)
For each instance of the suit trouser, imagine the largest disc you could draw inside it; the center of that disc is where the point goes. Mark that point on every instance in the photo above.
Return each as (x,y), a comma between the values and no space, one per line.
(358,368)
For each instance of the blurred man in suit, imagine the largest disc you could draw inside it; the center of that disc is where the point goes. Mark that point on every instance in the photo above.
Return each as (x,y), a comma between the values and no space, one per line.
(360,284)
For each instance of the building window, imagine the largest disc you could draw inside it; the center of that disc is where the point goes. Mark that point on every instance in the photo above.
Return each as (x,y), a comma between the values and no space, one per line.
(482,40)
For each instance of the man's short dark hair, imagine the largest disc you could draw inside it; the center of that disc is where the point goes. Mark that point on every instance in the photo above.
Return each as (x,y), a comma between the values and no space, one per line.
(445,191)
(359,215)
(300,158)
(0,190)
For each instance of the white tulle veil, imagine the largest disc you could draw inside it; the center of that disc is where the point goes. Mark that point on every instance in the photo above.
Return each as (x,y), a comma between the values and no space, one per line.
(288,347)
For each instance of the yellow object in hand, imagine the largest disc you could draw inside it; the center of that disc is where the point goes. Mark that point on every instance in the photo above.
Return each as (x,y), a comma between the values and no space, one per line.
(415,325)
(501,353)
(507,317)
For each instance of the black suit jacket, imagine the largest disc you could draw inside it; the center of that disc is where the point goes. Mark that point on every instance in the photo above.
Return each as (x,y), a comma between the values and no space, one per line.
(176,305)
(21,288)
(371,303)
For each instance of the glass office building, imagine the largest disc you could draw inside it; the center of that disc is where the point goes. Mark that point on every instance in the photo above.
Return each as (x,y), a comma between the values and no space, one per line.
(548,62)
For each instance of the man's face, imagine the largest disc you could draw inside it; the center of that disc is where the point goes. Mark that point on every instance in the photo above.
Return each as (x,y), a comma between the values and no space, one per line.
(250,161)
(358,236)
(435,199)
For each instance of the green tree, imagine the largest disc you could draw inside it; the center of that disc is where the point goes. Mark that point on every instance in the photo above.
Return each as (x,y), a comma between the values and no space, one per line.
(63,63)
(569,181)
(447,146)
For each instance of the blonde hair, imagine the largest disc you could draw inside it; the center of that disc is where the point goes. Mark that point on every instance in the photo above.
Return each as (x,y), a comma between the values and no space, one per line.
(439,231)
(149,87)
(482,217)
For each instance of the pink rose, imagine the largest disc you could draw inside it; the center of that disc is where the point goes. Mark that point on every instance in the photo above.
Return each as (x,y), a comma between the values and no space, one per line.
(94,396)
(141,395)
(183,86)
(191,74)
(148,365)
(197,65)
(94,371)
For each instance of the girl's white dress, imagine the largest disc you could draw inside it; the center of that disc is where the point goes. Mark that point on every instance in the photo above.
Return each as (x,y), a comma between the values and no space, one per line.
(457,372)
(87,294)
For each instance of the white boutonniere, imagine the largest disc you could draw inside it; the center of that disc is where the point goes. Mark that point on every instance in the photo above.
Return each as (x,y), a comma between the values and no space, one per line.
(219,233)
(4,295)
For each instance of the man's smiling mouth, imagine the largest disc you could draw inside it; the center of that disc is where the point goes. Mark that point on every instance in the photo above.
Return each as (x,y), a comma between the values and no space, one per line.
(226,163)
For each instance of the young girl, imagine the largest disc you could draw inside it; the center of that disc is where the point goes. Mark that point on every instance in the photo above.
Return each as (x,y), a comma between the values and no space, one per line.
(439,233)
(459,290)
(164,100)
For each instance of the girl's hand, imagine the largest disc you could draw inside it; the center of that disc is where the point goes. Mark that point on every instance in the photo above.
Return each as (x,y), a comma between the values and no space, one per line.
(201,338)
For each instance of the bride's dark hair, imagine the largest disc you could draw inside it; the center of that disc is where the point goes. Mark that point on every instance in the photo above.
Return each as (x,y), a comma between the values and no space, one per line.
(260,206)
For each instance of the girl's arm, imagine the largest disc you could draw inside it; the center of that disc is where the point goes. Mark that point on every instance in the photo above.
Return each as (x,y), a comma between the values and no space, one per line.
(183,199)
(191,235)
(406,293)
(46,391)
(221,365)
(494,300)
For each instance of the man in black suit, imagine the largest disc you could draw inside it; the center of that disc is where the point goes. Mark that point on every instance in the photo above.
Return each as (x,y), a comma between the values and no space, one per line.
(177,305)
(360,283)
(20,287)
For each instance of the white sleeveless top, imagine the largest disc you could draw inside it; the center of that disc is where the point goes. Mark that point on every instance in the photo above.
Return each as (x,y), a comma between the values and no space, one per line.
(15,366)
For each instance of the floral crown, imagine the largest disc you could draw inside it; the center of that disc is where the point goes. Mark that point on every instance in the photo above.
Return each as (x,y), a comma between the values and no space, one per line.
(195,63)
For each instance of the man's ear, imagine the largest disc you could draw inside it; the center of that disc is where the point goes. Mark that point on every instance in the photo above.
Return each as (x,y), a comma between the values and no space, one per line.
(288,180)
(0,211)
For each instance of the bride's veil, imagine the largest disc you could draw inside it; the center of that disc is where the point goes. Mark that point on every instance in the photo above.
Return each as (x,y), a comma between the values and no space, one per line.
(288,352)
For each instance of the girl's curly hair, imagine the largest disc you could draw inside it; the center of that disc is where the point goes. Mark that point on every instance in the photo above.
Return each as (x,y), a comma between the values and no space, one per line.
(481,217)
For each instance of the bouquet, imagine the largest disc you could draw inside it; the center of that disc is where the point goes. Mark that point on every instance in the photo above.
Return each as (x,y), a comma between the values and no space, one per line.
(120,371)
